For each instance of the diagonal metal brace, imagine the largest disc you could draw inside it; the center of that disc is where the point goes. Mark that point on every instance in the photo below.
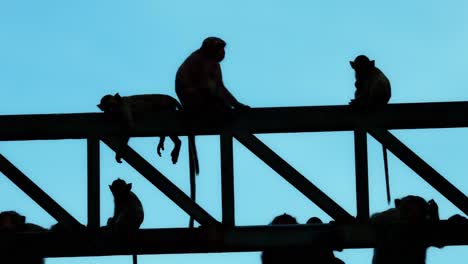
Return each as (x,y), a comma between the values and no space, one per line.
(293,177)
(37,194)
(418,165)
(162,183)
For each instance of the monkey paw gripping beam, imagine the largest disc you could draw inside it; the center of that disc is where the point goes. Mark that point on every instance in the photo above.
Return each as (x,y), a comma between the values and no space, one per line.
(224,236)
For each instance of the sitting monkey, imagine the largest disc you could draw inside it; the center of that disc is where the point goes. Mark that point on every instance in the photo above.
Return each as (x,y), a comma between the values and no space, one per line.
(128,108)
(11,221)
(128,210)
(409,209)
(200,88)
(319,255)
(372,86)
(199,82)
(285,255)
(372,91)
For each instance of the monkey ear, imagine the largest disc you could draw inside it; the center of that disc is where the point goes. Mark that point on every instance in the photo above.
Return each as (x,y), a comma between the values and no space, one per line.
(397,203)
(352,64)
(23,219)
(129,186)
(110,187)
(372,63)
(117,96)
(100,107)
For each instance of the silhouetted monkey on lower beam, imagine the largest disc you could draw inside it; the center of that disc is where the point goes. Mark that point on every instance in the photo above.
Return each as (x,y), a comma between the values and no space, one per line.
(373,90)
(129,108)
(409,209)
(319,255)
(128,210)
(281,256)
(11,221)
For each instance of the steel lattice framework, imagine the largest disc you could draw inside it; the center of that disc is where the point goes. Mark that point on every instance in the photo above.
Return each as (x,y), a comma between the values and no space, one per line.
(224,236)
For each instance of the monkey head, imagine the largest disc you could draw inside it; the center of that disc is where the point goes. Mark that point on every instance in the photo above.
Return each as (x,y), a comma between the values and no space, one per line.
(416,209)
(11,221)
(213,48)
(362,64)
(284,219)
(314,220)
(110,103)
(120,188)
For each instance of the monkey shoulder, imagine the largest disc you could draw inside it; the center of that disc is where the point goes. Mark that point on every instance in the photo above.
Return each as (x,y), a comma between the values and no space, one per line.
(387,216)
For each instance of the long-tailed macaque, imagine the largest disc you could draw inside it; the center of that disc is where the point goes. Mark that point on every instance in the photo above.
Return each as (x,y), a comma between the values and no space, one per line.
(200,88)
(286,255)
(128,210)
(129,108)
(11,221)
(319,255)
(409,209)
(372,86)
(372,91)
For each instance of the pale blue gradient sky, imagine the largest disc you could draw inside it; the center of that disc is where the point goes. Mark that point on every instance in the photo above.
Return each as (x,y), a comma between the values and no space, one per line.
(62,56)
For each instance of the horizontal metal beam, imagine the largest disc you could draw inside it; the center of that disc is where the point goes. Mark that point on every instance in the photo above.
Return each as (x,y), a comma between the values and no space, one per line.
(36,193)
(424,170)
(163,184)
(255,120)
(236,239)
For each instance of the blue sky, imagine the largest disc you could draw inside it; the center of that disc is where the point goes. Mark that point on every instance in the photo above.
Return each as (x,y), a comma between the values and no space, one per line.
(62,56)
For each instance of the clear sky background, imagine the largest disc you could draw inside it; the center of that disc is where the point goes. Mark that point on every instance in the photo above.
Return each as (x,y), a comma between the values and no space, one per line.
(62,56)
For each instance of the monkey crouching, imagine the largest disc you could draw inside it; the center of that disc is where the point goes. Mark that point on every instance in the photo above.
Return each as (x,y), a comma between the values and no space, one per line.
(11,221)
(413,210)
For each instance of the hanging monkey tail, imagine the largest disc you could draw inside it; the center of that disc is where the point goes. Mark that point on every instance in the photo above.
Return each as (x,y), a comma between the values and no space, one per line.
(387,175)
(194,170)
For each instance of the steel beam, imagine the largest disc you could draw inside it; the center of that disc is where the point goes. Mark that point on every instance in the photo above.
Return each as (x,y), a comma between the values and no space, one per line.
(419,166)
(237,239)
(362,179)
(162,183)
(93,182)
(255,120)
(295,178)
(36,193)
(227,179)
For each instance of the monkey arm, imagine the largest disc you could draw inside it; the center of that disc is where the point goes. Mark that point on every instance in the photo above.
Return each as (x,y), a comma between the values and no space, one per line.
(230,99)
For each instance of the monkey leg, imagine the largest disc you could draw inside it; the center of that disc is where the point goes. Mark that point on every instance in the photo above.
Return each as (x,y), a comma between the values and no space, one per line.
(120,151)
(176,149)
(161,145)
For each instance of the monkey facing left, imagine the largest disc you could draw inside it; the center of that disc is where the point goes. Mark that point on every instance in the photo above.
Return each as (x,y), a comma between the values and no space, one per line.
(129,108)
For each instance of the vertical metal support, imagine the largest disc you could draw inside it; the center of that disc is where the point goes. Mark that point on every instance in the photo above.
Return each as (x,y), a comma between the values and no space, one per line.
(93,183)
(193,180)
(362,180)
(227,179)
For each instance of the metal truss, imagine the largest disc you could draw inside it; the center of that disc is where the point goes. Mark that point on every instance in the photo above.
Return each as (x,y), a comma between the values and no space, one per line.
(348,231)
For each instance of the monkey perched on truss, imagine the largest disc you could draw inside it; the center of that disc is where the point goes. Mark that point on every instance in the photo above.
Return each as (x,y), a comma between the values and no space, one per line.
(129,108)
(11,221)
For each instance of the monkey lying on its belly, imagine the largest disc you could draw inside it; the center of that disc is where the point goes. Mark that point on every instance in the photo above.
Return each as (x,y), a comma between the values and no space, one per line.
(127,108)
